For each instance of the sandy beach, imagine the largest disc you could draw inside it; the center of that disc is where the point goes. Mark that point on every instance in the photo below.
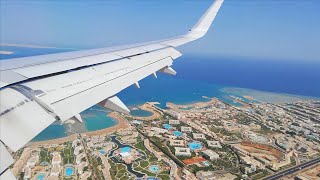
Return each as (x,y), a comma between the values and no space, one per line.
(149,107)
(122,124)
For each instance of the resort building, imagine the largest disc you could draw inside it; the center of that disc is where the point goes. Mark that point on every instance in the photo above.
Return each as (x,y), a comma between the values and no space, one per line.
(27,173)
(177,143)
(33,160)
(198,136)
(81,166)
(186,129)
(158,130)
(56,159)
(214,144)
(182,151)
(80,157)
(174,122)
(75,143)
(77,150)
(209,154)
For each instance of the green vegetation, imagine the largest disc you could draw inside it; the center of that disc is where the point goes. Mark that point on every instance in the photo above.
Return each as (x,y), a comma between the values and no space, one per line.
(45,156)
(67,154)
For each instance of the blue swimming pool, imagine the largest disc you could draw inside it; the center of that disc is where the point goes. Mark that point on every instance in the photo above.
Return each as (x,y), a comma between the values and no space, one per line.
(40,176)
(44,163)
(152,178)
(206,163)
(154,168)
(177,133)
(125,149)
(102,152)
(167,126)
(195,146)
(69,171)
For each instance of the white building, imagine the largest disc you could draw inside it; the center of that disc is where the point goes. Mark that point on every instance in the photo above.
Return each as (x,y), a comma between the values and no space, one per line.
(186,129)
(214,144)
(209,154)
(182,151)
(198,136)
(77,150)
(80,157)
(174,122)
(177,143)
(56,159)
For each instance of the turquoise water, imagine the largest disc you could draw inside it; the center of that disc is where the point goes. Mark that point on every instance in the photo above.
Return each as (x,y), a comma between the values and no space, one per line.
(177,133)
(195,146)
(167,126)
(41,176)
(125,149)
(96,118)
(69,171)
(206,163)
(141,113)
(54,131)
(154,168)
(102,152)
(44,163)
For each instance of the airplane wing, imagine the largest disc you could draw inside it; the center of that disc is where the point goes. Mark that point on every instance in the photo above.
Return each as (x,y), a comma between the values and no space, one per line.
(38,90)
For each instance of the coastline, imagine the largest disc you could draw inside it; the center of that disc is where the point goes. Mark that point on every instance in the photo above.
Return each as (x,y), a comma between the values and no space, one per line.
(148,106)
(121,124)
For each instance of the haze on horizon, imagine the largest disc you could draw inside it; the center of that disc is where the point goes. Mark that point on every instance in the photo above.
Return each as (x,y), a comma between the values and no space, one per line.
(275,29)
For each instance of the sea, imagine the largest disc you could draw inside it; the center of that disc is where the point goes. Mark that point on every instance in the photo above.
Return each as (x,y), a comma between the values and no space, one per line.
(197,77)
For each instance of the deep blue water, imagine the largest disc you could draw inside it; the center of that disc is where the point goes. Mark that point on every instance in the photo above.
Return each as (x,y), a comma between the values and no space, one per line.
(292,77)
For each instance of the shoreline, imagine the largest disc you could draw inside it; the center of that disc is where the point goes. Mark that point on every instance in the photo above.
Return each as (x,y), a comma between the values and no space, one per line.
(121,124)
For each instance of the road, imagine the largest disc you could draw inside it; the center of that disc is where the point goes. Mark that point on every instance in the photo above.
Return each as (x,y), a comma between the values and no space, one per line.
(292,170)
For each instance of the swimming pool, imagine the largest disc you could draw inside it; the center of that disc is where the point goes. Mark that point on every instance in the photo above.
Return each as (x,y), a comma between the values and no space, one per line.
(125,149)
(102,152)
(206,163)
(152,178)
(167,126)
(40,176)
(177,133)
(44,163)
(69,171)
(154,168)
(195,146)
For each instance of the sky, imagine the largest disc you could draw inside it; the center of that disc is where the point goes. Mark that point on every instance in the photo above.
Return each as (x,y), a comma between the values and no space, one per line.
(259,29)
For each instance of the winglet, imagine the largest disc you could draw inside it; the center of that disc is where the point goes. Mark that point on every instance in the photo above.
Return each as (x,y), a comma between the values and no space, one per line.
(203,25)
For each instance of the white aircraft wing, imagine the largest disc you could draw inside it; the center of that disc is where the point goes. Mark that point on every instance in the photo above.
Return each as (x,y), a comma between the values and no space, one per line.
(36,91)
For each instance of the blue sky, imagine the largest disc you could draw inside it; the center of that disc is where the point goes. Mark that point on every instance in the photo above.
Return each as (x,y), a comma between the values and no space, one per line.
(260,29)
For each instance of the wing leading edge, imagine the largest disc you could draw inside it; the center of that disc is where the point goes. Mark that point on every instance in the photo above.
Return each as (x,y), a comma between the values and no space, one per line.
(36,91)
